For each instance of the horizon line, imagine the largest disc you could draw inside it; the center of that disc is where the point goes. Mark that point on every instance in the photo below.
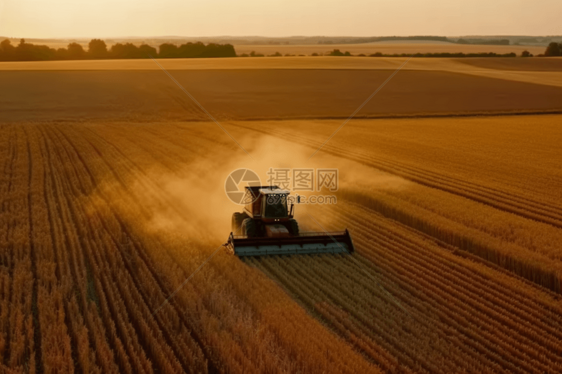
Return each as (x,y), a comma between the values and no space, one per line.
(275,37)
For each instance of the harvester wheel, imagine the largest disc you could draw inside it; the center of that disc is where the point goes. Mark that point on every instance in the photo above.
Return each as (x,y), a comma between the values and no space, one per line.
(249,228)
(237,219)
(293,227)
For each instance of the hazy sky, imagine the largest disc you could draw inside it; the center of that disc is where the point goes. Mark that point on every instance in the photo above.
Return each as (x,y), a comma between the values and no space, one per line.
(105,18)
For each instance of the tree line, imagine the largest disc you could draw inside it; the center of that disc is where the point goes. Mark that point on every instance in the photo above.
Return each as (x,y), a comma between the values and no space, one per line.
(337,52)
(483,41)
(383,38)
(97,49)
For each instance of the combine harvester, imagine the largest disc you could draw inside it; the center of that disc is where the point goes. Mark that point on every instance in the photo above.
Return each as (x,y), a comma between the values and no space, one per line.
(267,227)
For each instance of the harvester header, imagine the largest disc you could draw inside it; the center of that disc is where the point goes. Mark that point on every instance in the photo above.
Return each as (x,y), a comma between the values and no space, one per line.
(267,227)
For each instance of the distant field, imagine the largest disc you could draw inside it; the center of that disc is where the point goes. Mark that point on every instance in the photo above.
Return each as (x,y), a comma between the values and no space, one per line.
(519,64)
(512,69)
(424,87)
(386,48)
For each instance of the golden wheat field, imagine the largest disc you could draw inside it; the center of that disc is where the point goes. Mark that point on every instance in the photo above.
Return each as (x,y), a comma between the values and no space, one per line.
(112,197)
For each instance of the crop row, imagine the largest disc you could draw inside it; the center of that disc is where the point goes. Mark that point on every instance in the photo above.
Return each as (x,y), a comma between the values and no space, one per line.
(400,288)
(18,328)
(98,239)
(460,215)
(533,266)
(507,199)
(84,283)
(134,283)
(499,224)
(280,344)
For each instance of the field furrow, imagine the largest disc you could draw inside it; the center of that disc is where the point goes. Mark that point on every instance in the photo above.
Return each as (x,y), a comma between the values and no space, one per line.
(543,211)
(392,234)
(103,222)
(128,256)
(489,326)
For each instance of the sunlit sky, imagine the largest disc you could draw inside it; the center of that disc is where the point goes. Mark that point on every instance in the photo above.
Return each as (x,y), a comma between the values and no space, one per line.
(120,18)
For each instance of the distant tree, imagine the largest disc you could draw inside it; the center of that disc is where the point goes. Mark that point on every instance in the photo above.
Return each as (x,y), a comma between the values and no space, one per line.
(168,50)
(97,49)
(553,49)
(527,41)
(336,52)
(62,54)
(146,51)
(376,54)
(74,52)
(526,54)
(193,50)
(127,50)
(219,50)
(276,54)
(462,41)
(23,51)
(7,50)
(30,52)
(4,43)
(116,50)
(492,41)
(315,54)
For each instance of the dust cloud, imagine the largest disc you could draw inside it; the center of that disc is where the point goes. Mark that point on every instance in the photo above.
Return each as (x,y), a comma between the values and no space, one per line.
(193,201)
